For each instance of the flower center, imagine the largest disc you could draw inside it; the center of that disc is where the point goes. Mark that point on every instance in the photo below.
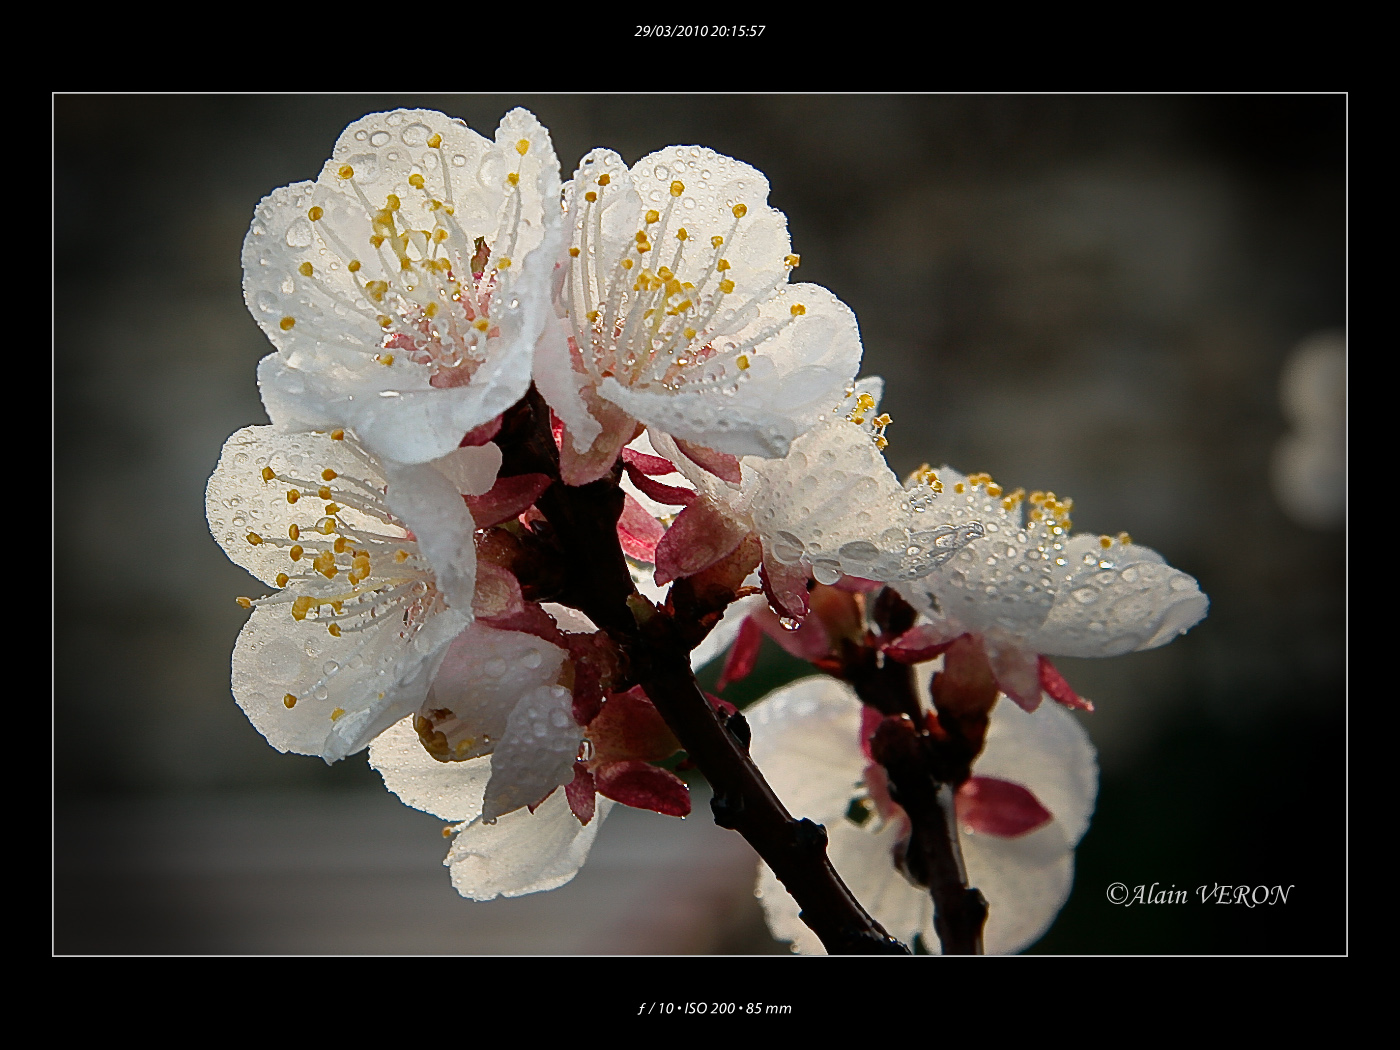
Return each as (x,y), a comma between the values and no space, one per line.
(664,311)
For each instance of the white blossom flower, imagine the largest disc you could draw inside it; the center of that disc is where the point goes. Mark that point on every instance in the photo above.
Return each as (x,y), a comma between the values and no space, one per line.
(1029,589)
(680,315)
(831,506)
(806,739)
(406,287)
(376,570)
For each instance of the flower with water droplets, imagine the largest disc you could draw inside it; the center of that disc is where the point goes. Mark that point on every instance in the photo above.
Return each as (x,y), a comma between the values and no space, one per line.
(678,314)
(376,574)
(406,287)
(1020,815)
(1028,589)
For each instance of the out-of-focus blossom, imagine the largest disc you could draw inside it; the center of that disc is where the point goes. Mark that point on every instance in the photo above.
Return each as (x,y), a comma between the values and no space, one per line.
(1309,464)
(406,287)
(376,571)
(1028,589)
(679,315)
(807,741)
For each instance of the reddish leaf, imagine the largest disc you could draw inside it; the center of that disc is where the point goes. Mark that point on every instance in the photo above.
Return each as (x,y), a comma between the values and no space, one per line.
(721,464)
(647,464)
(698,538)
(638,531)
(644,786)
(674,495)
(581,793)
(629,727)
(482,434)
(1054,683)
(998,807)
(743,654)
(508,498)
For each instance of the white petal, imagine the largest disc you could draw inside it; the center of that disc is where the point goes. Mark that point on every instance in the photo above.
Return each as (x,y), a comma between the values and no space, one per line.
(472,471)
(450,790)
(724,632)
(1026,881)
(806,742)
(351,688)
(429,504)
(523,852)
(536,754)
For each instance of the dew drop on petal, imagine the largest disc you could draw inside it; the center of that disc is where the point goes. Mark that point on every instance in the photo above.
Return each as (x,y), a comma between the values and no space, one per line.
(299,234)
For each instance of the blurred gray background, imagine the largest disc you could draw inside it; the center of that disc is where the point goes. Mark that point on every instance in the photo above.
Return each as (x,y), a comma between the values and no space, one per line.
(1090,294)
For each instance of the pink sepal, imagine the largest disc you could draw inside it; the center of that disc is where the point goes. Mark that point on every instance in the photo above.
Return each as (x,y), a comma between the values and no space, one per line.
(721,464)
(1017,676)
(482,434)
(1054,683)
(991,806)
(638,531)
(508,498)
(581,793)
(629,727)
(743,654)
(918,644)
(672,495)
(699,537)
(531,619)
(870,720)
(808,642)
(785,586)
(646,463)
(643,786)
(724,707)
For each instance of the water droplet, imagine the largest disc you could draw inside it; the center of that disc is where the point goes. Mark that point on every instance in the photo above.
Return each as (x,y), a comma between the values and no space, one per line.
(330,667)
(379,138)
(360,135)
(458,160)
(532,659)
(322,692)
(299,234)
(495,667)
(1085,595)
(788,623)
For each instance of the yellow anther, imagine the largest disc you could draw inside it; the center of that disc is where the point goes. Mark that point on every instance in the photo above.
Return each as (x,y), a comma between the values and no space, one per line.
(447,832)
(439,235)
(324,492)
(677,188)
(293,495)
(793,261)
(337,713)
(333,630)
(376,241)
(590,196)
(332,508)
(329,475)
(958,487)
(627,264)
(742,361)
(593,315)
(339,607)
(1034,515)
(392,202)
(305,269)
(405,263)
(1105,542)
(325,526)
(245,603)
(690,333)
(604,179)
(301,607)
(522,146)
(726,286)
(740,210)
(289,701)
(434,140)
(296,552)
(716,241)
(652,216)
(282,579)
(346,172)
(513,178)
(315,213)
(481,324)
(722,265)
(416,181)
(641,236)
(798,310)
(665,273)
(867,401)
(644,247)
(337,435)
(993,489)
(286,323)
(856,418)
(340,545)
(884,419)
(354,266)
(682,235)
(324,563)
(383,359)
(880,442)
(385,320)
(430,310)
(400,557)
(503,264)
(267,474)
(1124,538)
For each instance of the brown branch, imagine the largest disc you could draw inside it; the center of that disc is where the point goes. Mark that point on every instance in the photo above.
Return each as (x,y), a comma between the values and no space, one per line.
(657,644)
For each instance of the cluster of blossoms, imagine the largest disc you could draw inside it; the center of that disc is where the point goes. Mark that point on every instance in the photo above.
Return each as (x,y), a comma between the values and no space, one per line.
(538,449)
